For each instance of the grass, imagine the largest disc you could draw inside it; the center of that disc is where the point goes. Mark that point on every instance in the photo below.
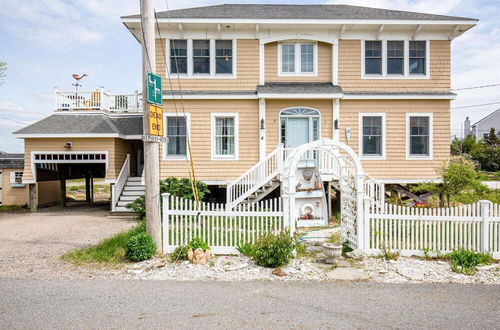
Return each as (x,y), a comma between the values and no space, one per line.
(109,251)
(104,188)
(10,208)
(489,176)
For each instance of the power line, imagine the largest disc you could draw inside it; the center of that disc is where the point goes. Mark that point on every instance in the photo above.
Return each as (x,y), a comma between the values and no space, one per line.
(475,105)
(475,87)
(15,121)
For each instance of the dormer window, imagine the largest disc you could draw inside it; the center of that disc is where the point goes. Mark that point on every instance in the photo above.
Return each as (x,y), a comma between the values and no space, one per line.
(297,59)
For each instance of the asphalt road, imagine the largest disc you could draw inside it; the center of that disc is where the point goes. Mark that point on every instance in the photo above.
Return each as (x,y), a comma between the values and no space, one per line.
(122,304)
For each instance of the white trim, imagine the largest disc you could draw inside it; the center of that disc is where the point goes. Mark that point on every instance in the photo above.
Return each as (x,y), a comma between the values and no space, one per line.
(335,62)
(407,181)
(262,131)
(79,135)
(299,96)
(211,97)
(309,21)
(213,116)
(188,132)
(212,53)
(360,136)
(216,182)
(336,116)
(406,74)
(298,59)
(262,64)
(311,137)
(398,97)
(431,141)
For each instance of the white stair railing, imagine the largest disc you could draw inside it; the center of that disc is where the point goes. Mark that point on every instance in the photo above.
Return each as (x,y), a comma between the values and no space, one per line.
(121,181)
(253,179)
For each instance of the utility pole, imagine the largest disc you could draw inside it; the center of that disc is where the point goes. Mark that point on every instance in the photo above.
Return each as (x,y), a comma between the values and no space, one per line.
(151,150)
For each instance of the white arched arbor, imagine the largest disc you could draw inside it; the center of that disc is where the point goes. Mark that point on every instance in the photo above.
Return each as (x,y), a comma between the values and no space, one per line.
(344,165)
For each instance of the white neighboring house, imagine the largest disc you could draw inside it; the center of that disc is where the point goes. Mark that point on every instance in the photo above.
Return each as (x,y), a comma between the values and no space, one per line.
(482,128)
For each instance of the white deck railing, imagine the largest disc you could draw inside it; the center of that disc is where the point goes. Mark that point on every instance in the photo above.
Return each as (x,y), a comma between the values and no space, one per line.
(253,179)
(97,100)
(121,181)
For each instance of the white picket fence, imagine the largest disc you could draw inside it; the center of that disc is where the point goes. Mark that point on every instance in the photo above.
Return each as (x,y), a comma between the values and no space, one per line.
(413,230)
(221,227)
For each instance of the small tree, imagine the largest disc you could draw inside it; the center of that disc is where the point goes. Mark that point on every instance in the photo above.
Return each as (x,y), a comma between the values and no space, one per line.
(492,138)
(458,175)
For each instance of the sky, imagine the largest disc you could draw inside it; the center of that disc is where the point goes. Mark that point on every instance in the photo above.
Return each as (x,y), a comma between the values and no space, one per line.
(45,41)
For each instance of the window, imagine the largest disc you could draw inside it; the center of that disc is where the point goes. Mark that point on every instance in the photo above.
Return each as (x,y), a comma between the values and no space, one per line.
(177,137)
(16,179)
(307,58)
(297,58)
(485,135)
(201,56)
(417,57)
(395,57)
(225,136)
(372,135)
(373,57)
(287,58)
(178,56)
(224,56)
(419,128)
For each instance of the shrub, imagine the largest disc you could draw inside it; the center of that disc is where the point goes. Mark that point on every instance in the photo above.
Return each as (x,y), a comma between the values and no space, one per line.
(346,247)
(245,249)
(138,206)
(465,261)
(181,252)
(140,247)
(273,250)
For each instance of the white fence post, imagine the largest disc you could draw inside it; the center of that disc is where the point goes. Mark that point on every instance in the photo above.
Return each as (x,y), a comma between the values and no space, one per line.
(165,224)
(366,223)
(485,215)
(360,185)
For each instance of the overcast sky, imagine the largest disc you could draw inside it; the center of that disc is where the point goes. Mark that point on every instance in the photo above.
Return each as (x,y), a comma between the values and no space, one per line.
(45,41)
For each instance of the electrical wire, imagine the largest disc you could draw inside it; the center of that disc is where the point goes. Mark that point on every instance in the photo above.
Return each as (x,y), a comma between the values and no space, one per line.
(474,105)
(475,87)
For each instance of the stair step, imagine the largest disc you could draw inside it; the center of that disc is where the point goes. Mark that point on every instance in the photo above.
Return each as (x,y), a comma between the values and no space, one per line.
(135,188)
(129,198)
(123,203)
(134,178)
(122,209)
(134,183)
(132,193)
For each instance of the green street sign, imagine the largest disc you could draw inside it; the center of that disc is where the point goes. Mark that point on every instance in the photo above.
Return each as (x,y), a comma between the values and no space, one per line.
(154,89)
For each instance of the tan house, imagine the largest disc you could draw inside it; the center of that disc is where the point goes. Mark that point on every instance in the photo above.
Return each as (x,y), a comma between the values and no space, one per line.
(241,80)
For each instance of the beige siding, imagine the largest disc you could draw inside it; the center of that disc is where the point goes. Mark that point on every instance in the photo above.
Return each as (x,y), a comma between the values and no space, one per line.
(350,71)
(247,71)
(121,149)
(396,166)
(49,193)
(116,149)
(324,65)
(207,169)
(273,108)
(12,195)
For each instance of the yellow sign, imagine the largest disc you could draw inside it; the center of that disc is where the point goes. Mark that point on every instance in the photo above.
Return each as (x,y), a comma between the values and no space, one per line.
(155,120)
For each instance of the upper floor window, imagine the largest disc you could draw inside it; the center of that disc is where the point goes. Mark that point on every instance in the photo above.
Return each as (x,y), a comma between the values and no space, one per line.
(373,57)
(178,56)
(202,58)
(417,57)
(419,139)
(297,58)
(395,59)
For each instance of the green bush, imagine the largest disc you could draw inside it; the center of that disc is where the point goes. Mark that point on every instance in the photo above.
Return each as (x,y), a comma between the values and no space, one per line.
(181,252)
(140,247)
(245,249)
(273,250)
(465,261)
(173,186)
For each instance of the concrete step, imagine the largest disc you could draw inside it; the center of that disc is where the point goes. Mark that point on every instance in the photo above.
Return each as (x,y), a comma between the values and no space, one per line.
(134,178)
(132,193)
(135,188)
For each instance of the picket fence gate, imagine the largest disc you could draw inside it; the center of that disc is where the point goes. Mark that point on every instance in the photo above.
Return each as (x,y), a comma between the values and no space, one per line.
(414,230)
(223,228)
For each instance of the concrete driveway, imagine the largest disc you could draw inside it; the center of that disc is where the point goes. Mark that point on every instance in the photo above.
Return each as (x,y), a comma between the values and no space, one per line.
(31,243)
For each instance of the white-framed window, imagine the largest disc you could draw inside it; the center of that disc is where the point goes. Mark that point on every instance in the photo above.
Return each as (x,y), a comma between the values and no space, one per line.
(372,132)
(16,179)
(395,59)
(177,131)
(419,136)
(225,136)
(202,58)
(297,59)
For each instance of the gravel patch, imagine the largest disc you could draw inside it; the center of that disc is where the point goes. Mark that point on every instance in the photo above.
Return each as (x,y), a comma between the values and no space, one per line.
(31,243)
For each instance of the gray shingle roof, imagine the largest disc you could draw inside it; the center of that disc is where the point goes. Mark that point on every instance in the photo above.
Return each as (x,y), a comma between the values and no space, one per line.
(85,124)
(11,160)
(266,11)
(299,88)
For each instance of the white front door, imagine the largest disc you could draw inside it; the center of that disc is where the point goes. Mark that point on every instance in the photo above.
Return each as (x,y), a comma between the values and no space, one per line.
(297,132)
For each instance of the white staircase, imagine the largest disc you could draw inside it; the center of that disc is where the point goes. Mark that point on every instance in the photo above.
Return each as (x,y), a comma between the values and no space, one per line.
(133,189)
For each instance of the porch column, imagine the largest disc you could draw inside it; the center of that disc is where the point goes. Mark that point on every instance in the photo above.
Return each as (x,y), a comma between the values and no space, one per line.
(261,63)
(262,129)
(33,197)
(335,62)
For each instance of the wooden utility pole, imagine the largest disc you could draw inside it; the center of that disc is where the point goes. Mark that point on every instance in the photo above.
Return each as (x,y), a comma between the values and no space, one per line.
(151,150)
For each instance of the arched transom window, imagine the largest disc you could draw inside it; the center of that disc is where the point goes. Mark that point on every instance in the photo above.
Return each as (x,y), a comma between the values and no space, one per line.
(299,126)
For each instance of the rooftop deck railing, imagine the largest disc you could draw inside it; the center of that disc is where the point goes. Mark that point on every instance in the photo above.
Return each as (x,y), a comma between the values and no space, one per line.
(98,100)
